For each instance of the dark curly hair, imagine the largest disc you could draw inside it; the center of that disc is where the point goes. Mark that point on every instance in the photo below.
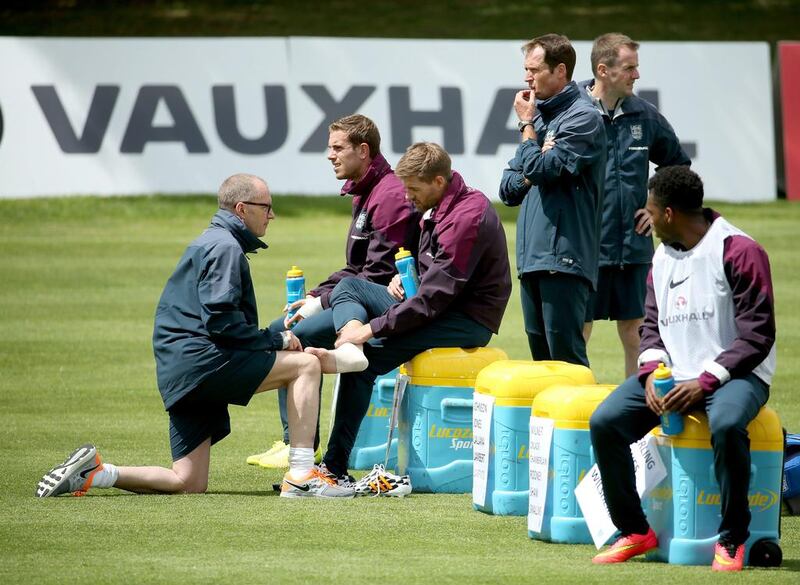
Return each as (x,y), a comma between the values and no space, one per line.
(677,187)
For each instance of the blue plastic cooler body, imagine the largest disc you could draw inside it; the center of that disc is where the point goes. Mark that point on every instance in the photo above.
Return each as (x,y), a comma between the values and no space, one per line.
(507,480)
(687,525)
(435,438)
(570,460)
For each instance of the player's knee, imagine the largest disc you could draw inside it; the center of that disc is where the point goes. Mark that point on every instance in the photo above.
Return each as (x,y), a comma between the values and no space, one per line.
(309,366)
(629,332)
(602,424)
(726,430)
(345,288)
(194,485)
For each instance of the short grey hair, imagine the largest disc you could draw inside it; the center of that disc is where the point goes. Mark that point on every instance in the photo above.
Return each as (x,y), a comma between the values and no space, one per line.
(239,187)
(424,160)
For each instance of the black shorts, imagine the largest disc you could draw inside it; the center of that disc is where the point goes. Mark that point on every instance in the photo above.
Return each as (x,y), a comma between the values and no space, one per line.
(620,293)
(203,412)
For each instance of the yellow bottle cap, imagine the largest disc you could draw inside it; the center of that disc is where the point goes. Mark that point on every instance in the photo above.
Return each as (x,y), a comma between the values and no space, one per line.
(295,272)
(402,253)
(663,372)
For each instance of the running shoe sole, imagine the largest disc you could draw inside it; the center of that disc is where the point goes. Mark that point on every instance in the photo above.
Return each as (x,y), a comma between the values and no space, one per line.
(53,480)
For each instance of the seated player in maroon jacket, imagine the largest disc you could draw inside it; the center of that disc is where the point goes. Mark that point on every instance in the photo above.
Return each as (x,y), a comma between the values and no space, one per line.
(383,221)
(464,288)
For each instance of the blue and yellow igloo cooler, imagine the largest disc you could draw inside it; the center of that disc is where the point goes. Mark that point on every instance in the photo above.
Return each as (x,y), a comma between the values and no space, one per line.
(571,457)
(684,509)
(435,418)
(514,384)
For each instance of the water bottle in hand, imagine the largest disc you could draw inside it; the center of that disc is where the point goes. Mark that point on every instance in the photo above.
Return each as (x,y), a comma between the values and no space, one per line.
(295,288)
(663,382)
(407,269)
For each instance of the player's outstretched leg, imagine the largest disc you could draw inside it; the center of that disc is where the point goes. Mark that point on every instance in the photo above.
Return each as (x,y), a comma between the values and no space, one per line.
(345,358)
(76,474)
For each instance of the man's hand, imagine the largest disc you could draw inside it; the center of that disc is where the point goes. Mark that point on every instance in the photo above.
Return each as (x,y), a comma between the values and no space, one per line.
(297,317)
(654,403)
(293,344)
(683,396)
(356,335)
(643,220)
(395,288)
(525,105)
(307,307)
(548,144)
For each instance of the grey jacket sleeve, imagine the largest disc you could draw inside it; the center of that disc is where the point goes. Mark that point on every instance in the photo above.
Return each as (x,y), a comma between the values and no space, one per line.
(219,292)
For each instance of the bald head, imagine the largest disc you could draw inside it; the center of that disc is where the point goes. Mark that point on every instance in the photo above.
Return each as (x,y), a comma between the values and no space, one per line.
(240,187)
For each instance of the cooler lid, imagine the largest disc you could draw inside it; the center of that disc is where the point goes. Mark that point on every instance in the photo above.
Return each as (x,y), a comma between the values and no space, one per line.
(517,382)
(571,406)
(766,433)
(450,366)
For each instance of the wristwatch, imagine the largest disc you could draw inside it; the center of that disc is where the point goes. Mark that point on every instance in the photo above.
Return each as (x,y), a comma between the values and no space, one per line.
(522,123)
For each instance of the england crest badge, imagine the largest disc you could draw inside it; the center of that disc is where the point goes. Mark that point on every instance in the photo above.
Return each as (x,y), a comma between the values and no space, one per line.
(636,131)
(361,220)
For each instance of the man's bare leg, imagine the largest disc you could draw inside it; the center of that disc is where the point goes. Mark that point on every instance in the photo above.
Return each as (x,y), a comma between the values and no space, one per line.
(587,331)
(296,370)
(628,331)
(189,475)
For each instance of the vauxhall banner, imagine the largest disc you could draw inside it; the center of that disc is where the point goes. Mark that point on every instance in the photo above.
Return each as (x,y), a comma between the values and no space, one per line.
(126,116)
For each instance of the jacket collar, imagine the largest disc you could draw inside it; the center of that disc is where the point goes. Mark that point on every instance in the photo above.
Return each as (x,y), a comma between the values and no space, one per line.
(627,105)
(562,100)
(229,221)
(375,172)
(455,190)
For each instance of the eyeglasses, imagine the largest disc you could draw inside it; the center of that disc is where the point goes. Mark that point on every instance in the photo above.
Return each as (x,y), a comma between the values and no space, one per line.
(267,206)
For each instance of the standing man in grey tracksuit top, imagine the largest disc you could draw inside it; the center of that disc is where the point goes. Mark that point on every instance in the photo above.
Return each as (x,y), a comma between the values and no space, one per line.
(637,134)
(557,175)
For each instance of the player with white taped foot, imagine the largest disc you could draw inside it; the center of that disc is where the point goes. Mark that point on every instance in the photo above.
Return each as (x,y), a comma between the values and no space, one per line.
(465,283)
(382,222)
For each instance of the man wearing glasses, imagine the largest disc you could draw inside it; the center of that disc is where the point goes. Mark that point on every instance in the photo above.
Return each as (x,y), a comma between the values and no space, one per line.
(210,353)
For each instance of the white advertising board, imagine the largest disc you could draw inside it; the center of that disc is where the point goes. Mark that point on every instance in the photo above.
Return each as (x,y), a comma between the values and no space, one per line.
(122,116)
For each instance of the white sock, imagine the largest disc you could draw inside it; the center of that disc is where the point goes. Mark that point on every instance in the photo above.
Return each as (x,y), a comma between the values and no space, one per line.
(349,359)
(106,477)
(301,460)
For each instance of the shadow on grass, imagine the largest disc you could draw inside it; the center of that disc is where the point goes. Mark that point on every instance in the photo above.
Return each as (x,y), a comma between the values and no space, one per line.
(270,493)
(792,565)
(121,493)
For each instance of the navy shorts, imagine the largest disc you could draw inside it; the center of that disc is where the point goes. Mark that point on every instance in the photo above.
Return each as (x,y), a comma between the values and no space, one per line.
(620,293)
(203,412)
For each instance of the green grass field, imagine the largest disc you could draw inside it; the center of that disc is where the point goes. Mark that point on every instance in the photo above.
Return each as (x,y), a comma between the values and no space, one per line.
(79,281)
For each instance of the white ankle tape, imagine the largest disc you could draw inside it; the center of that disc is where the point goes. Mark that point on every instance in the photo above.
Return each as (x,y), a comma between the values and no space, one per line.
(106,477)
(349,359)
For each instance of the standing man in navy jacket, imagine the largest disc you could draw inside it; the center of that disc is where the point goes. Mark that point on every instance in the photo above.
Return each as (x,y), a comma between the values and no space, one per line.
(383,221)
(636,134)
(557,175)
(464,288)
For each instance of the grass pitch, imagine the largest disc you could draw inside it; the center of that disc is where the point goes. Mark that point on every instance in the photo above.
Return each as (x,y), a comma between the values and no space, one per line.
(80,281)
